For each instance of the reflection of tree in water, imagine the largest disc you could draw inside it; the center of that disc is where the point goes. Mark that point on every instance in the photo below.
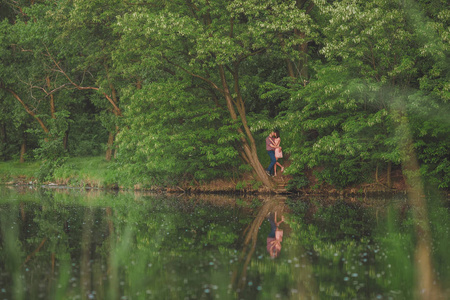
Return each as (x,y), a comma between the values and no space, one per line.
(330,246)
(57,247)
(250,238)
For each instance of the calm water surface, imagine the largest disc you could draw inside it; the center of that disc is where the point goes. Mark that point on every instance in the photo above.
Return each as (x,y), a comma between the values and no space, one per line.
(78,244)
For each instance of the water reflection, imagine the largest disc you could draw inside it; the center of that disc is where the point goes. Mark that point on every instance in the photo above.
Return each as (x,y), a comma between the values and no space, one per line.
(74,244)
(267,210)
(275,236)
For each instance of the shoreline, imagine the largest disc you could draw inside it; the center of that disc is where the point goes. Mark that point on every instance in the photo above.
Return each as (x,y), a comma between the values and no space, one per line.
(93,173)
(225,187)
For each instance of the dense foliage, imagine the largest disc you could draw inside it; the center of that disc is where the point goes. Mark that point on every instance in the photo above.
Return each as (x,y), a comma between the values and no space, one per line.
(188,90)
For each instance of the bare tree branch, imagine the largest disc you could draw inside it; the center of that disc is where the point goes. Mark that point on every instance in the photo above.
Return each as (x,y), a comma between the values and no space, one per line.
(117,110)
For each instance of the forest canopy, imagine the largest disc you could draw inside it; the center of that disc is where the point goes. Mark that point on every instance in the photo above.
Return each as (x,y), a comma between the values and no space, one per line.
(189,89)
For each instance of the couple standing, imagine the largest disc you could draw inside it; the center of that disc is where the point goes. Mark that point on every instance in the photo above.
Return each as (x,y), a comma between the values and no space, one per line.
(274,150)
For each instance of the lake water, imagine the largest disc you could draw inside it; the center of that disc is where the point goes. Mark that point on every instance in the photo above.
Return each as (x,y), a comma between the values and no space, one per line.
(90,244)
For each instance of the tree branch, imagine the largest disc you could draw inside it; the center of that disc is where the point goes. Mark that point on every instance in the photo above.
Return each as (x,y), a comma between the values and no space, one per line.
(310,7)
(29,111)
(252,53)
(195,75)
(114,104)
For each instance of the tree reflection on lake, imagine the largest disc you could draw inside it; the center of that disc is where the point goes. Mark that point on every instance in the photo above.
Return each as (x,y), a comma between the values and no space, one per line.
(77,244)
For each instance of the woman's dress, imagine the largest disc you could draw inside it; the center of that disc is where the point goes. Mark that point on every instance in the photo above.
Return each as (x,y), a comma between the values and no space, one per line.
(278,152)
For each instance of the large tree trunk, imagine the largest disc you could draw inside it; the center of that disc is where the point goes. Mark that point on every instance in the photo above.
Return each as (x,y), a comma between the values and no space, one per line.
(248,144)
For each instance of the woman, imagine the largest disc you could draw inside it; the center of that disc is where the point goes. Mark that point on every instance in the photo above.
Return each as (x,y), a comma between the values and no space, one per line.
(278,152)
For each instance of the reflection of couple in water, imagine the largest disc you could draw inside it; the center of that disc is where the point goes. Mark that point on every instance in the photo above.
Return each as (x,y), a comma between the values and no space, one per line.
(275,236)
(271,206)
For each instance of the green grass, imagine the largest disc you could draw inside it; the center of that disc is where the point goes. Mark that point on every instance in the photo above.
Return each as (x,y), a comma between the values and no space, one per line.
(95,167)
(12,170)
(86,171)
(75,171)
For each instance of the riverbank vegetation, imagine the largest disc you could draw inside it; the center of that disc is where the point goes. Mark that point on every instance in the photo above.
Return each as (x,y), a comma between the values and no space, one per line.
(187,91)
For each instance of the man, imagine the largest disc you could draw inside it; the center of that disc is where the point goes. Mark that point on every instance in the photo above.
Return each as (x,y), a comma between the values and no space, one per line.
(271,151)
(275,236)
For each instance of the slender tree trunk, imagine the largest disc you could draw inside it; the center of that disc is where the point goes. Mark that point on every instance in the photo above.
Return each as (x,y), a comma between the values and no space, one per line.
(115,146)
(4,139)
(110,151)
(139,84)
(303,62)
(23,148)
(86,252)
(388,180)
(3,133)
(376,174)
(110,244)
(66,140)
(290,68)
(299,67)
(52,100)
(301,70)
(109,145)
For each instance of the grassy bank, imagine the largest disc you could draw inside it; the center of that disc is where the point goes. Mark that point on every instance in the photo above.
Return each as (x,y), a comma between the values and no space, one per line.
(14,171)
(75,171)
(93,172)
(86,171)
(99,173)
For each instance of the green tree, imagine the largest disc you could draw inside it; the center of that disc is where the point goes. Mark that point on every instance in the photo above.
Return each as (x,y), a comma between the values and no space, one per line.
(208,43)
(376,58)
(59,52)
(22,74)
(87,40)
